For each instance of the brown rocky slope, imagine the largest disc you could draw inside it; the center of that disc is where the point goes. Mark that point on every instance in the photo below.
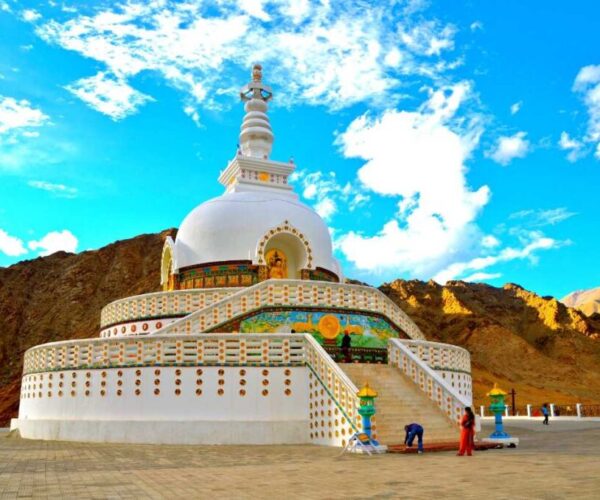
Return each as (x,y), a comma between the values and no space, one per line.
(543,349)
(60,297)
(536,345)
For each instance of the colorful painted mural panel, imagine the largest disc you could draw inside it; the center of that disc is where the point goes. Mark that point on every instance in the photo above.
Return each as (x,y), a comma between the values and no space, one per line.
(327,327)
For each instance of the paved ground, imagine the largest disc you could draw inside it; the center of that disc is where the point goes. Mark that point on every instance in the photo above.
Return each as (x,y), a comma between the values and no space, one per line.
(548,464)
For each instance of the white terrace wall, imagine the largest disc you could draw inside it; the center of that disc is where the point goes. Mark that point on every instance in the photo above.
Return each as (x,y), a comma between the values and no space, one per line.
(226,405)
(210,389)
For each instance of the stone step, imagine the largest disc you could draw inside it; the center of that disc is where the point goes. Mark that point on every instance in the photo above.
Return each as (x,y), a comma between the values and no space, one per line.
(400,401)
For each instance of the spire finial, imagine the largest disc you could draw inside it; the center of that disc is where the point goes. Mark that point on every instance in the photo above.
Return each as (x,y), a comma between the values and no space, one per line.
(257,73)
(256,139)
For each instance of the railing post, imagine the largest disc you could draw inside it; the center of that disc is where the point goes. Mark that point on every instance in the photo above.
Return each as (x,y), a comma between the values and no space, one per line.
(552,409)
(578,406)
(482,411)
(529,411)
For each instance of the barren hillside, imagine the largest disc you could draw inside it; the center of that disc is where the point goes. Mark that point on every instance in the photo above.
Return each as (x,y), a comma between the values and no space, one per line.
(543,349)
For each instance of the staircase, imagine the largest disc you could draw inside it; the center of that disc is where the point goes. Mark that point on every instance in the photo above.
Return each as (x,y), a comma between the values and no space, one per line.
(400,402)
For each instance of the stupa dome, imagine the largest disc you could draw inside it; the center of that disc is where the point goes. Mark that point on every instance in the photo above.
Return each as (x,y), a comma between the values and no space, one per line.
(233,226)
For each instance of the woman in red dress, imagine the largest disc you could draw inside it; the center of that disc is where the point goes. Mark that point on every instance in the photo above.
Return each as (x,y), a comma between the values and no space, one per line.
(467,433)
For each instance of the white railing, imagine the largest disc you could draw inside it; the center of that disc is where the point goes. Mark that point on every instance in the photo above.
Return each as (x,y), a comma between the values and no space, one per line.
(441,356)
(293,293)
(206,349)
(430,382)
(339,386)
(161,304)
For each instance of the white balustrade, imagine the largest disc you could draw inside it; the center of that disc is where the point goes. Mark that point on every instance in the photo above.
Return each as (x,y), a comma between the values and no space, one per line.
(161,304)
(441,356)
(340,388)
(298,293)
(207,349)
(431,383)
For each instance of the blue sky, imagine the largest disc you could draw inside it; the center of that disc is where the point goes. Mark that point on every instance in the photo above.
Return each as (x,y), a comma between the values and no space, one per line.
(446,140)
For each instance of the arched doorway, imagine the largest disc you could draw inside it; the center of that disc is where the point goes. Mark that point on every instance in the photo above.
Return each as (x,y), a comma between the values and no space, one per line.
(285,256)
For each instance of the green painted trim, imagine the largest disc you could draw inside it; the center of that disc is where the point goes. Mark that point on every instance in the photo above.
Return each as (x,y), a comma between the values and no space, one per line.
(332,397)
(455,370)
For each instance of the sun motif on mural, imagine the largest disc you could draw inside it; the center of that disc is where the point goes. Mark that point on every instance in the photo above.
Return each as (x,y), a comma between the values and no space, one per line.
(329,326)
(276,264)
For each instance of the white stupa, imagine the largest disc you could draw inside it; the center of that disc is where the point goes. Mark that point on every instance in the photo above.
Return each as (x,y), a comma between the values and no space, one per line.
(243,343)
(232,228)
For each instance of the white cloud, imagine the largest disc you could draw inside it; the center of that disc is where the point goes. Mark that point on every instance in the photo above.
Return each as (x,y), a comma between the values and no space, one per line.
(109,94)
(22,154)
(476,26)
(326,193)
(326,207)
(19,115)
(418,156)
(30,15)
(10,245)
(255,8)
(587,83)
(319,52)
(428,38)
(574,147)
(482,276)
(55,241)
(510,147)
(58,189)
(516,107)
(536,242)
(541,218)
(193,113)
(489,241)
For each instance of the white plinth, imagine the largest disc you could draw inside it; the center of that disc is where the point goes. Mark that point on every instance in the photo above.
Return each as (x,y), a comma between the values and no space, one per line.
(166,432)
(508,442)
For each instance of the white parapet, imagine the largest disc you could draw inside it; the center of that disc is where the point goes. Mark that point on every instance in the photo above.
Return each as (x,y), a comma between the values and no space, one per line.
(202,389)
(247,388)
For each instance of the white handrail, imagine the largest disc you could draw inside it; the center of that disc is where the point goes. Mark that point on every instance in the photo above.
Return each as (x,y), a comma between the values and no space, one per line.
(339,373)
(440,356)
(341,389)
(432,384)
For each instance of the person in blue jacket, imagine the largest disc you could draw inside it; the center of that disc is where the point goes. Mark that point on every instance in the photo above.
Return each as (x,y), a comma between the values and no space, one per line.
(413,430)
(546,413)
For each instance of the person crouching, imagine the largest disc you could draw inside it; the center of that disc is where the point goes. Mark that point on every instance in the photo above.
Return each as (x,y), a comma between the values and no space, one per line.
(413,430)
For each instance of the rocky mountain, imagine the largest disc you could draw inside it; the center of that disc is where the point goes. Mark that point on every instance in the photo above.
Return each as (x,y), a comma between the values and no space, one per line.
(545,350)
(536,345)
(587,301)
(60,297)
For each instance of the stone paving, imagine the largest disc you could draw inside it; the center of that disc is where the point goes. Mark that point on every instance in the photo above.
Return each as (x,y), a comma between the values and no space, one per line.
(548,464)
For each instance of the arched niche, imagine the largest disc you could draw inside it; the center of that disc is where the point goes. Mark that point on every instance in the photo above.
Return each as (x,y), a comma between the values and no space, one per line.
(284,242)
